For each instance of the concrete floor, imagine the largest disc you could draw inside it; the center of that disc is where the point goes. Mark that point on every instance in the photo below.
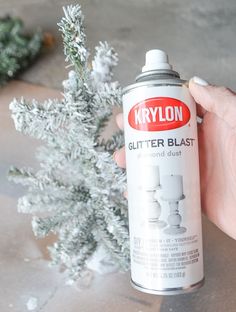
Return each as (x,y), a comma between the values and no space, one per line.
(199,37)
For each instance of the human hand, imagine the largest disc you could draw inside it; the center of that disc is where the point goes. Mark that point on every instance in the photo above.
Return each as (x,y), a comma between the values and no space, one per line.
(217,152)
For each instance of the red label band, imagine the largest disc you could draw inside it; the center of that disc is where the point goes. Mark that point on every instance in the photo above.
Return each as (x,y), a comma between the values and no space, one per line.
(159,114)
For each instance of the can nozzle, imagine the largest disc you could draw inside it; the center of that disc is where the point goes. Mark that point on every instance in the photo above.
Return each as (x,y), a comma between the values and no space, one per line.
(156,59)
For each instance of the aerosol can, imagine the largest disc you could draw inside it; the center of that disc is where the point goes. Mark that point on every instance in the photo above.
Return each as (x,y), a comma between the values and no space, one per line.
(163,180)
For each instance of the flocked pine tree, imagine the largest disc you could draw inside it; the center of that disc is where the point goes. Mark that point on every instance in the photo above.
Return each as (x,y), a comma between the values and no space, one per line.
(77,193)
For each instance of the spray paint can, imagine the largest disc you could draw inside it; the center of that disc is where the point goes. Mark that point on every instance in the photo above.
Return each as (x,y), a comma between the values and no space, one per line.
(163,180)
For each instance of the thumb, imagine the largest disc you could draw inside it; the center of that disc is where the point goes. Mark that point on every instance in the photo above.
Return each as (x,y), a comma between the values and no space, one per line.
(218,100)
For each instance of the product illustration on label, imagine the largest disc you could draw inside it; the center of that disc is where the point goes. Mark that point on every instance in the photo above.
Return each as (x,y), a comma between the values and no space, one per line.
(150,184)
(167,188)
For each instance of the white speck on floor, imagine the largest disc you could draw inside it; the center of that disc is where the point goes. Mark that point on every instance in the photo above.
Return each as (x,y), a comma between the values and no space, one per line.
(69,282)
(32,303)
(10,305)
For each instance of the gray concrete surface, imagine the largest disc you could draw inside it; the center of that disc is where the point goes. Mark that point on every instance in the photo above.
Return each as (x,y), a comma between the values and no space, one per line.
(199,37)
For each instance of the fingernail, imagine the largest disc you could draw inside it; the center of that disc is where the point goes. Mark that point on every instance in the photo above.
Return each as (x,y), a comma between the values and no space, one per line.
(200,81)
(199,120)
(114,155)
(118,117)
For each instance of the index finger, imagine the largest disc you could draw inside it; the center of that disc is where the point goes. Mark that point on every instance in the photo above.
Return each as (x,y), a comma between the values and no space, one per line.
(120,121)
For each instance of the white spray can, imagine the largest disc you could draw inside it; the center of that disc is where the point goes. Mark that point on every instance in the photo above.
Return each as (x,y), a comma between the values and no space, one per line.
(163,180)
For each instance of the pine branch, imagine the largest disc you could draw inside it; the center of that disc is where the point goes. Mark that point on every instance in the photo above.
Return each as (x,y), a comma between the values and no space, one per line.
(115,142)
(40,181)
(41,121)
(57,203)
(18,50)
(74,38)
(103,63)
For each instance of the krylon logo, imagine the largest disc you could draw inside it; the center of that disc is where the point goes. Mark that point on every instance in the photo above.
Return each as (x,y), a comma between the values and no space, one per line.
(159,114)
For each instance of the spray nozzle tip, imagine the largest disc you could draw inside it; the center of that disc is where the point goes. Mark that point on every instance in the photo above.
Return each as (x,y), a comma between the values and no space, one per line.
(156,59)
